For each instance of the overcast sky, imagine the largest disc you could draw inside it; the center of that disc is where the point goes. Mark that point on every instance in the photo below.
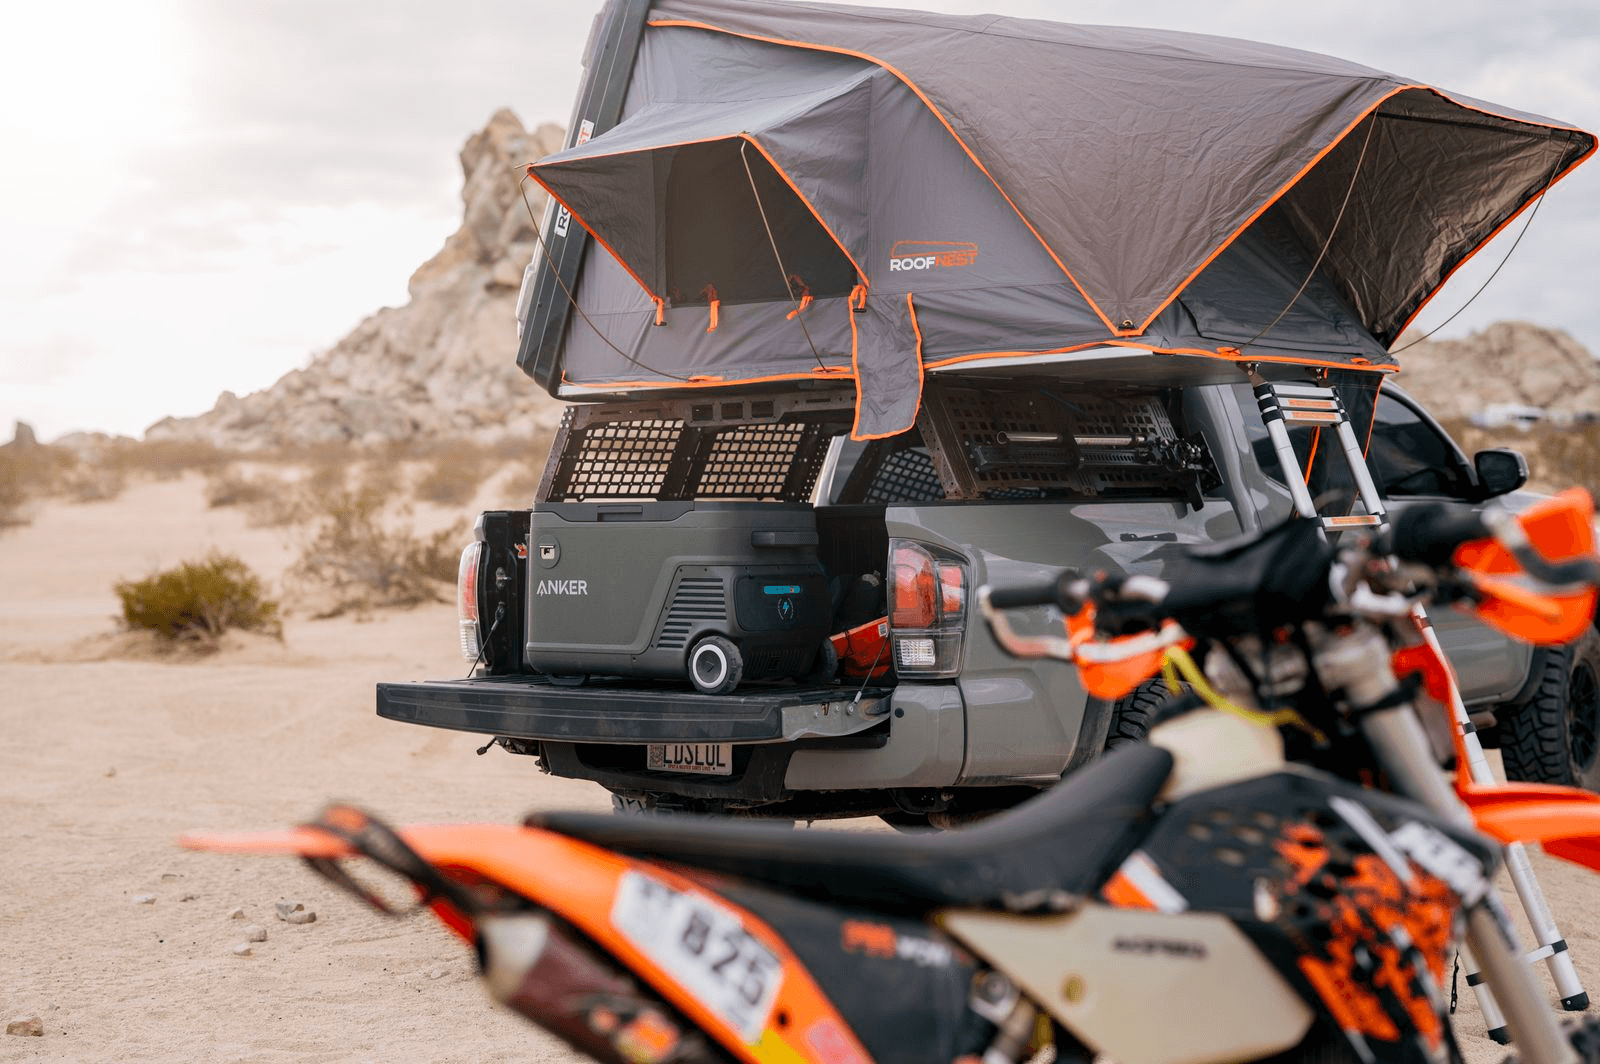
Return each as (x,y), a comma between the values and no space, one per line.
(200,196)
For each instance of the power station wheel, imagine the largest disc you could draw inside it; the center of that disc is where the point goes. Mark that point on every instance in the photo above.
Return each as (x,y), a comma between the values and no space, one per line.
(715,665)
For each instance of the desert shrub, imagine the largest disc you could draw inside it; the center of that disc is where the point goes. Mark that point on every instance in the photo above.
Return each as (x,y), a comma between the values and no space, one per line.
(229,487)
(358,556)
(519,489)
(13,498)
(28,473)
(167,459)
(199,601)
(453,476)
(89,481)
(1559,456)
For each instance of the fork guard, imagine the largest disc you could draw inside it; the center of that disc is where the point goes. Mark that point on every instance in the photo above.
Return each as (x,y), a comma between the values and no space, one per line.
(1564,820)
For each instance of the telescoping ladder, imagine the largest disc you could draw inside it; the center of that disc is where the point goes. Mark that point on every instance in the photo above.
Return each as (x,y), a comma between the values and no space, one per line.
(1285,404)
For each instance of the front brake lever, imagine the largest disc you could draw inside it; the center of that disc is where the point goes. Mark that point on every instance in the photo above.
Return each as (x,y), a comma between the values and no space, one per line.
(1020,646)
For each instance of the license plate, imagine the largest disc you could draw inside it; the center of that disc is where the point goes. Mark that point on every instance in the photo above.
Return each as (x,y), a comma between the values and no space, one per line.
(704,947)
(713,759)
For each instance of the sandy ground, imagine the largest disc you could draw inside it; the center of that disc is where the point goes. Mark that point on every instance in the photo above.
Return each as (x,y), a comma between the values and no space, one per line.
(104,763)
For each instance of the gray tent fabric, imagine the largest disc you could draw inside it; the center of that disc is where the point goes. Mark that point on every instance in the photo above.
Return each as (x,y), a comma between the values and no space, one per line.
(1137,154)
(980,188)
(890,388)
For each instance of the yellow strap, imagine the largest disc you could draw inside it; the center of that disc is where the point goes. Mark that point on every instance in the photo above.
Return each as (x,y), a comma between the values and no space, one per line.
(1177,661)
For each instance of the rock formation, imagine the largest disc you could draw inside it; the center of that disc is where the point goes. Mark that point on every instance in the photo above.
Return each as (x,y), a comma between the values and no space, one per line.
(442,365)
(1508,362)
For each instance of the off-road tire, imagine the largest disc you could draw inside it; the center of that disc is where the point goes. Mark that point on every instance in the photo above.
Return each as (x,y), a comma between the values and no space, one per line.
(1130,714)
(1555,736)
(625,806)
(1130,722)
(715,665)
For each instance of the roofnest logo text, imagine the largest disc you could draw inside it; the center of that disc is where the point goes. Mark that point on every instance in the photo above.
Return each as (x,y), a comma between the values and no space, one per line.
(930,255)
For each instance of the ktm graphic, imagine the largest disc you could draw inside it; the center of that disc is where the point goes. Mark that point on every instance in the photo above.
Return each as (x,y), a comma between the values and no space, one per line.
(930,255)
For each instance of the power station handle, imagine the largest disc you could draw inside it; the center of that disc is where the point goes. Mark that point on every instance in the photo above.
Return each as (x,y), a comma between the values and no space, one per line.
(787,538)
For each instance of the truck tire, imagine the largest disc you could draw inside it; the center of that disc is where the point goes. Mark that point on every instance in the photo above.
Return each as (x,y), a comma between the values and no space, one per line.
(1555,736)
(715,665)
(1130,721)
(1130,716)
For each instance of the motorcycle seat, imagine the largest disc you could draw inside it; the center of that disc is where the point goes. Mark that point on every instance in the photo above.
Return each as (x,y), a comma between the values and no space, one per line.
(1066,840)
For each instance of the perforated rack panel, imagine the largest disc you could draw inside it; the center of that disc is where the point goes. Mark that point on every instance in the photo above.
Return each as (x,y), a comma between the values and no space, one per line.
(1015,442)
(675,451)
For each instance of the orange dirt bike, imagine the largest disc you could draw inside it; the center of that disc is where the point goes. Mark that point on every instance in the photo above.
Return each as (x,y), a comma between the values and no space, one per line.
(1283,870)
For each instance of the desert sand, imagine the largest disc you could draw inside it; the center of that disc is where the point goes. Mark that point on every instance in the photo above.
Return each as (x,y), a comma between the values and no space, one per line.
(103,763)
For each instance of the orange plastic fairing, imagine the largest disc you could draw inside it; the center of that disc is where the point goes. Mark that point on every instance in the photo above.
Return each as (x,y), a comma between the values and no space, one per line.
(1110,679)
(1565,820)
(1559,528)
(579,882)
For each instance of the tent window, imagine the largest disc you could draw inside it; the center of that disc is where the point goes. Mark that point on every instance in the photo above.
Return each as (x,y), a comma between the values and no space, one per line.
(715,236)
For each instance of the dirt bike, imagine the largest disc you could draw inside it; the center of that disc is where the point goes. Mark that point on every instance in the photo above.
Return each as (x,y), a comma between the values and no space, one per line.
(1284,869)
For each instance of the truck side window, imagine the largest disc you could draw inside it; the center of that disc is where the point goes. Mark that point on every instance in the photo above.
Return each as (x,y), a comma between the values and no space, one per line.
(1408,456)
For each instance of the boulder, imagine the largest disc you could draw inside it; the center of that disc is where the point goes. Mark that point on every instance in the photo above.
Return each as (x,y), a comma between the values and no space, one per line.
(1509,362)
(444,364)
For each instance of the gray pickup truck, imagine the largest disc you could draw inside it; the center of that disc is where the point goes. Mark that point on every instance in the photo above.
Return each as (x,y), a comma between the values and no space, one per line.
(947,727)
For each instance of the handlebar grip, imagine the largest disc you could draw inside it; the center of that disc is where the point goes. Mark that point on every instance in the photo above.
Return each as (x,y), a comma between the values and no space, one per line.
(1055,593)
(1430,533)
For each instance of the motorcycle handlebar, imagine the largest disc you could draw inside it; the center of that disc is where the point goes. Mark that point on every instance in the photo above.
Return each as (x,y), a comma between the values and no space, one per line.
(1056,593)
(1430,534)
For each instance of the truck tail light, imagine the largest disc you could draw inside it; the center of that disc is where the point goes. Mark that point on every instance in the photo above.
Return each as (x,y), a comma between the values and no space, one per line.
(927,609)
(467,599)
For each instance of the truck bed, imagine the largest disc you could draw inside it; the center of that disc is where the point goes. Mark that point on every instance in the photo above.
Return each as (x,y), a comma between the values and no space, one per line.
(531,707)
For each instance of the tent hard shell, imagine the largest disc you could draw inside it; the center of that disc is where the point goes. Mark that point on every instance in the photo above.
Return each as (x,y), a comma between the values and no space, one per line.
(812,191)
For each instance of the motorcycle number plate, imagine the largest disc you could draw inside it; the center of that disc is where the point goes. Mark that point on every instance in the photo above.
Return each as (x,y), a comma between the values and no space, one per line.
(712,759)
(703,947)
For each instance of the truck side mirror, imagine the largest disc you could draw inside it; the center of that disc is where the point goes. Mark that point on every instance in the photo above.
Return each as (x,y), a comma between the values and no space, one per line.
(1500,471)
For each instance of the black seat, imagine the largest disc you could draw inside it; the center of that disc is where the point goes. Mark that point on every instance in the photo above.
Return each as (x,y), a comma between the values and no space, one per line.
(1067,839)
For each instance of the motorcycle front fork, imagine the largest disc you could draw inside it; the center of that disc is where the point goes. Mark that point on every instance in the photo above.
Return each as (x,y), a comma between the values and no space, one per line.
(1397,737)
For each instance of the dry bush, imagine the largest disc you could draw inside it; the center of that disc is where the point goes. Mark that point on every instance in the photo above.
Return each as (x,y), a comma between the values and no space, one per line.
(453,476)
(197,602)
(28,473)
(13,498)
(230,487)
(357,558)
(528,459)
(518,490)
(89,481)
(1559,456)
(166,459)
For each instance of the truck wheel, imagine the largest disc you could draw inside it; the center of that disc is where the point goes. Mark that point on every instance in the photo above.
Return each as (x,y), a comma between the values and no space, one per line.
(1130,716)
(715,665)
(1555,736)
(625,806)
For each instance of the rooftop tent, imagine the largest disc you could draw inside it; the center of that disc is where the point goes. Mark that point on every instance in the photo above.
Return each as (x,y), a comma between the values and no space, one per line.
(801,190)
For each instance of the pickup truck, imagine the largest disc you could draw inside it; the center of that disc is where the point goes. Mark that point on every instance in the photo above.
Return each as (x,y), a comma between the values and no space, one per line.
(956,729)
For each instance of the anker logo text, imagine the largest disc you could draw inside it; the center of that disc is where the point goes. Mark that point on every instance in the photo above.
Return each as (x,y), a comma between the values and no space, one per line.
(562,587)
(930,255)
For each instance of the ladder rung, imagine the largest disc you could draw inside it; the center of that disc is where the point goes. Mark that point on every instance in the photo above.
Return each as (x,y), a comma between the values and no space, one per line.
(1310,404)
(1539,954)
(1352,521)
(1288,390)
(1312,417)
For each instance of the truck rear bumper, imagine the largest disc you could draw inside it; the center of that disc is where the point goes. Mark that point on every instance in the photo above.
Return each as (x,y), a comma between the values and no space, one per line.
(530,707)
